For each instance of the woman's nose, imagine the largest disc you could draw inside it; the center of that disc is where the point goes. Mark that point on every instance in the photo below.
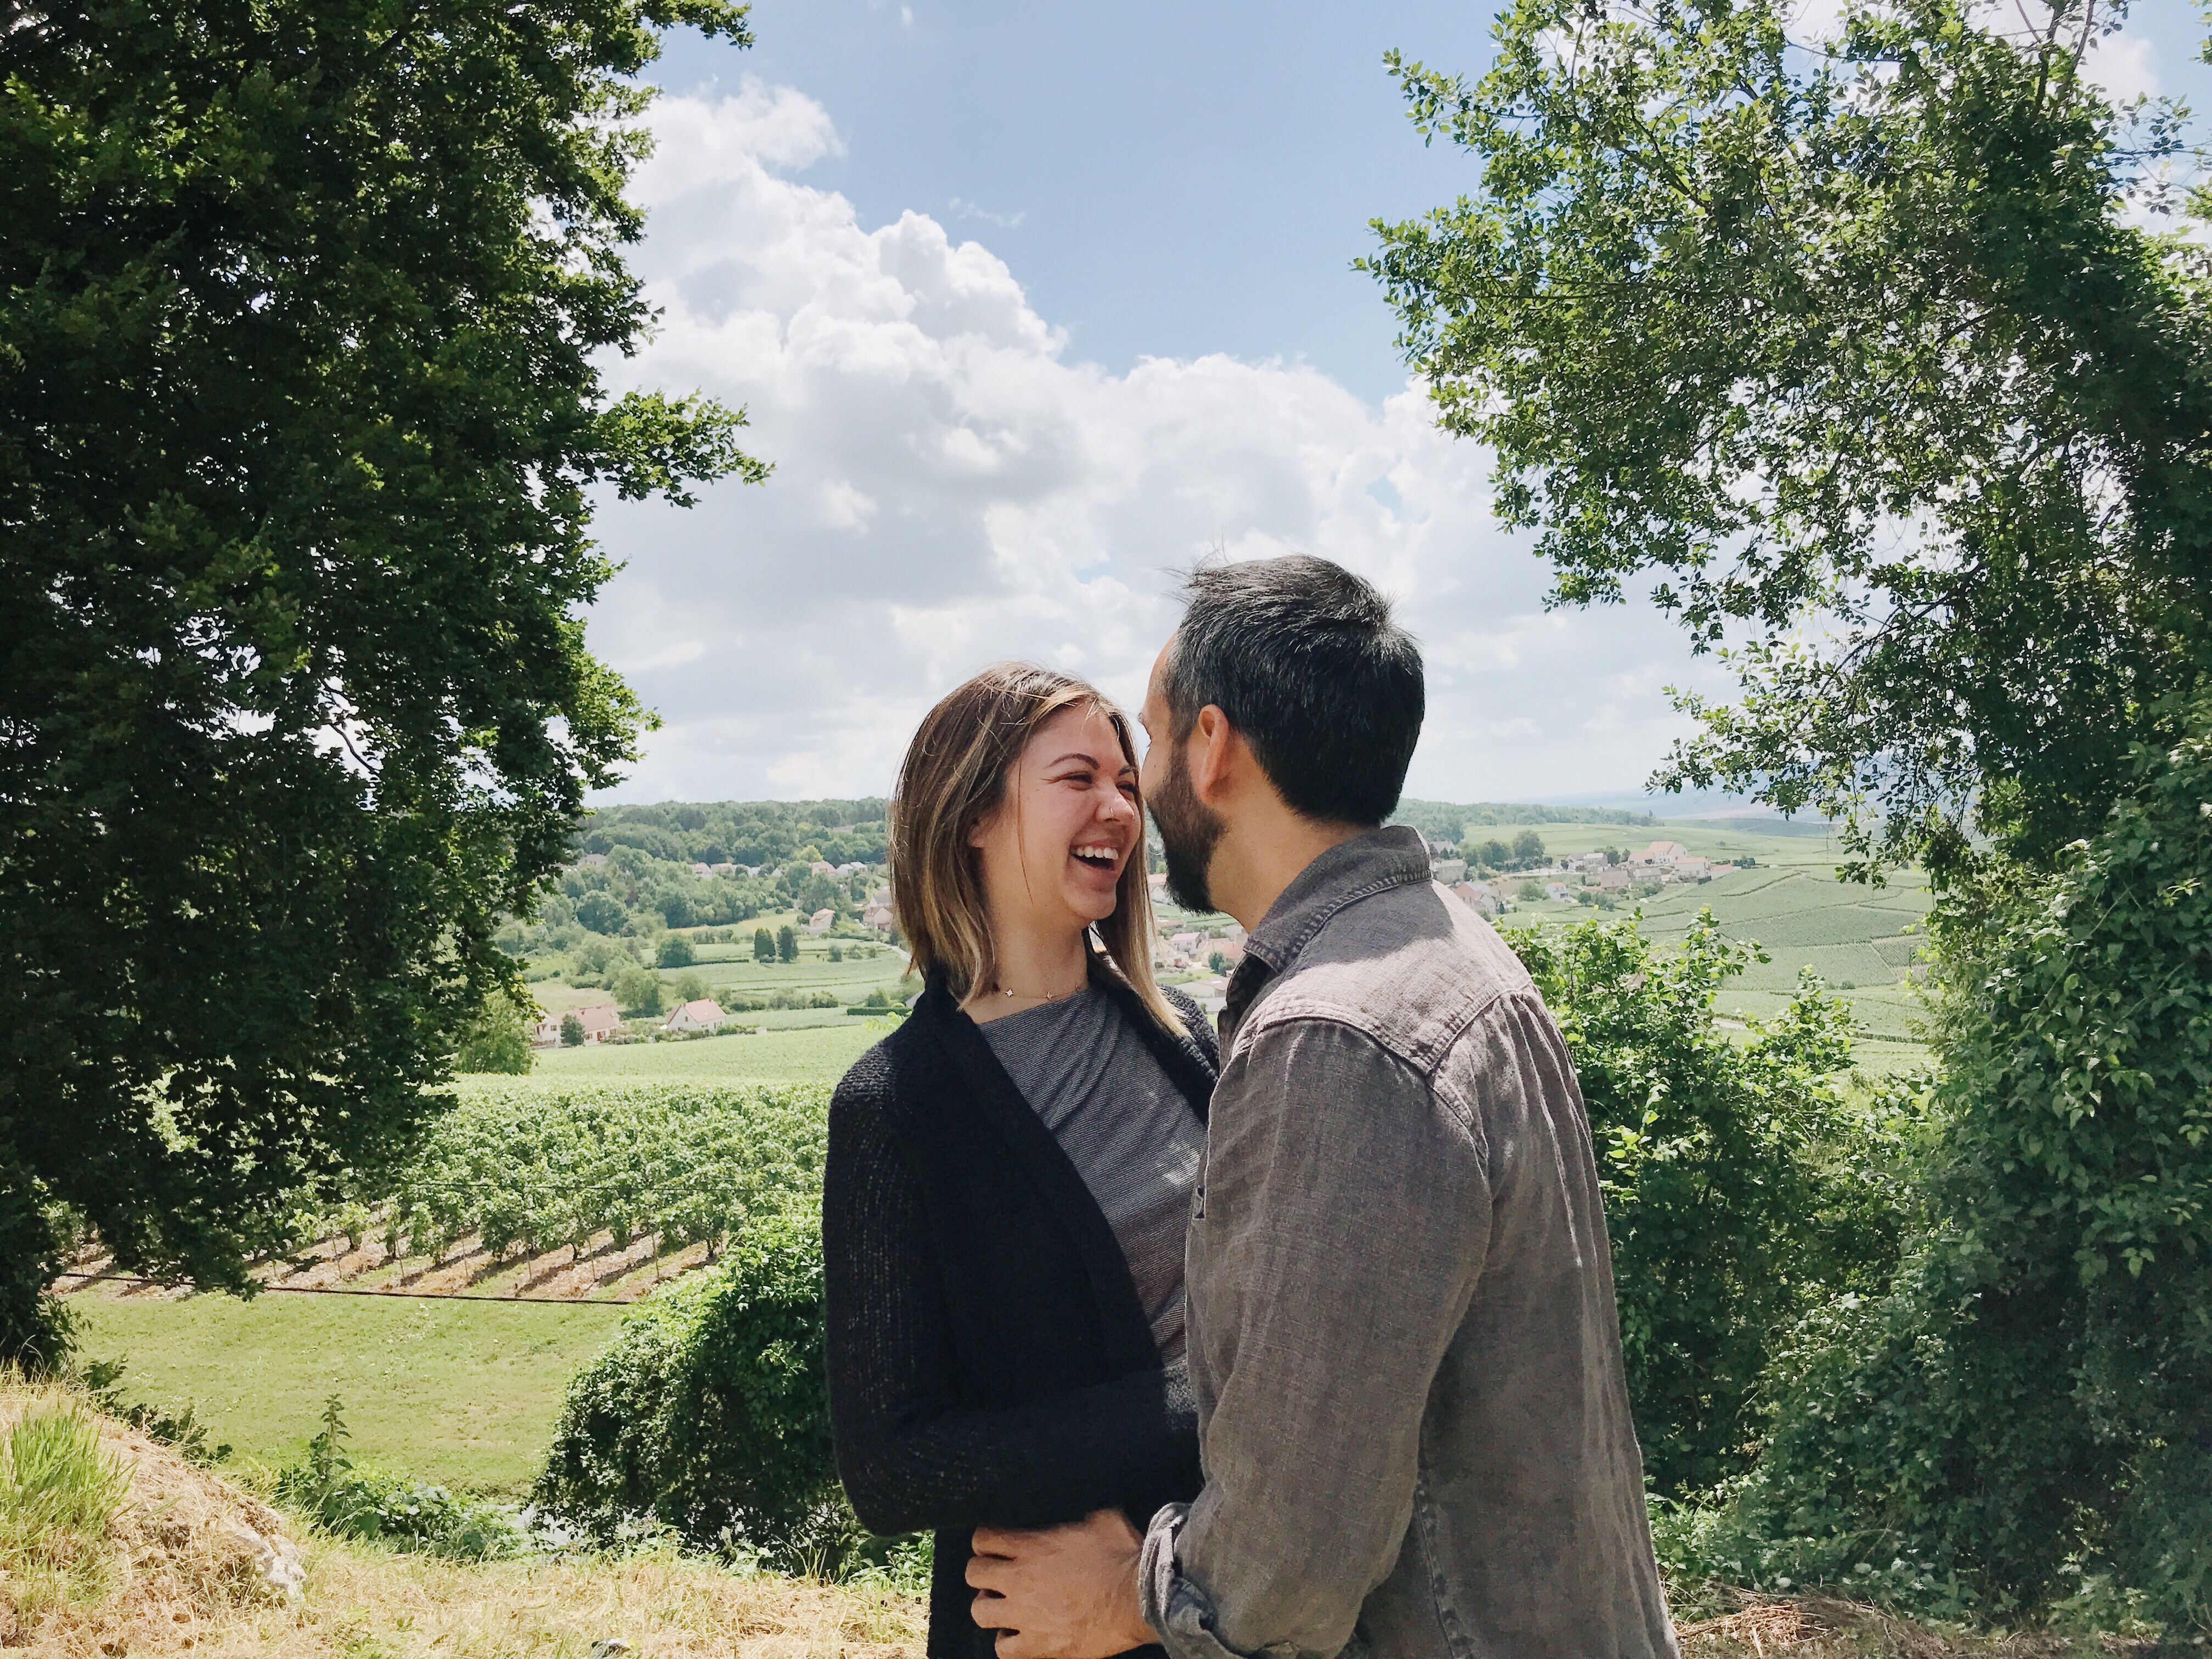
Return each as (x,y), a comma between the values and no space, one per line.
(1114,805)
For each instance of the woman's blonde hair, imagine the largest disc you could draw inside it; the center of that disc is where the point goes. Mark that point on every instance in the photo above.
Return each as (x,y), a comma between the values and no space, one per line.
(955,772)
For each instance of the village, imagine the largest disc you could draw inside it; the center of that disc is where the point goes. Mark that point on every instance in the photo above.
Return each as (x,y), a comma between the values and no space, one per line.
(1197,954)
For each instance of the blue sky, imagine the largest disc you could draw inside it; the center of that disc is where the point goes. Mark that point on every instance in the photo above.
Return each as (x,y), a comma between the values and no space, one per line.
(1032,304)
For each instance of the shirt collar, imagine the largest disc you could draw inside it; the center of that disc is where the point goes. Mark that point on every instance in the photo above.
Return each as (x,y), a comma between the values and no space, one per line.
(1395,855)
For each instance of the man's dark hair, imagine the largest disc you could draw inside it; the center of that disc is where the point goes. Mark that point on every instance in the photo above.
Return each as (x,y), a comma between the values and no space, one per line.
(1303,657)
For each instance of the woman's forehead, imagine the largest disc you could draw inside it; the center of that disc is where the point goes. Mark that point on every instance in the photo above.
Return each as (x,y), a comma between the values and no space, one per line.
(1085,731)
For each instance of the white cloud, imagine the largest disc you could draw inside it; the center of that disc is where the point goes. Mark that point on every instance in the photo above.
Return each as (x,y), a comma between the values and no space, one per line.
(950,489)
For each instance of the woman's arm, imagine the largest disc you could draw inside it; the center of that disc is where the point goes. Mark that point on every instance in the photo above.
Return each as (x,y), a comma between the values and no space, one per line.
(910,1456)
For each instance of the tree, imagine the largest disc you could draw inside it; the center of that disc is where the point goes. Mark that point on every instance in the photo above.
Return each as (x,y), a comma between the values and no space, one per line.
(572,1031)
(1493,855)
(2028,1404)
(302,310)
(497,1039)
(1530,892)
(786,945)
(690,989)
(1528,848)
(1740,1189)
(1857,358)
(763,946)
(600,913)
(675,951)
(637,991)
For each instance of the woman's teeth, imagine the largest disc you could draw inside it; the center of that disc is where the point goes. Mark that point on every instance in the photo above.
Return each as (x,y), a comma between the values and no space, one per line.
(1098,858)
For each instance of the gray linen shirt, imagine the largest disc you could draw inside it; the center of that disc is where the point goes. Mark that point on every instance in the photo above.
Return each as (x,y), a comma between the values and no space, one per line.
(1403,1338)
(1124,1125)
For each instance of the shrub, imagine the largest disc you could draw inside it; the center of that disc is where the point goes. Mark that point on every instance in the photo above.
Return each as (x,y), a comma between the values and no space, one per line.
(409,1515)
(638,991)
(675,951)
(707,1411)
(572,1031)
(2028,1409)
(786,945)
(763,946)
(1741,1188)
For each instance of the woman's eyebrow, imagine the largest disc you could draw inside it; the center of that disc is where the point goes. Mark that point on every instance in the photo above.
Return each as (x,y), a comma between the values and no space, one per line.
(1092,761)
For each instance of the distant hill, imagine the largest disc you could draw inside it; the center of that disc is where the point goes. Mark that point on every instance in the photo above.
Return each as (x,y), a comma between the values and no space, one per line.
(741,831)
(1443,820)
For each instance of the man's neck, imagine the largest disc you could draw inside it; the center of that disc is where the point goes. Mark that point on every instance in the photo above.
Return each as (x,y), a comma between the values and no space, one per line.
(1254,863)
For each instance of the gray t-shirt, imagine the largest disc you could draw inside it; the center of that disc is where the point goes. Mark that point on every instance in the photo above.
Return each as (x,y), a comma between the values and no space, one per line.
(1123,1124)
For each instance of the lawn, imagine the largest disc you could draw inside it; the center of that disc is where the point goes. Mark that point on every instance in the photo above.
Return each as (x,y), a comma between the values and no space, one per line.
(812,1053)
(463,1393)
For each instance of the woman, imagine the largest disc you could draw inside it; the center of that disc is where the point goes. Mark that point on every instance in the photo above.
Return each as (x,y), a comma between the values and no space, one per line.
(1010,1172)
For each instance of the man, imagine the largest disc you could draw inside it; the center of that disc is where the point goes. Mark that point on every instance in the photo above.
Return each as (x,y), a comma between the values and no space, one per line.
(1400,1324)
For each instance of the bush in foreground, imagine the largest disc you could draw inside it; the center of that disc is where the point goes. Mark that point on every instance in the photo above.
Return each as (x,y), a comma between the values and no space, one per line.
(2022,1419)
(707,1413)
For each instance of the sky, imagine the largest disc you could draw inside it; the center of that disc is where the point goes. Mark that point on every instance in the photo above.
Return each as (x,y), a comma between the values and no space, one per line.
(1032,306)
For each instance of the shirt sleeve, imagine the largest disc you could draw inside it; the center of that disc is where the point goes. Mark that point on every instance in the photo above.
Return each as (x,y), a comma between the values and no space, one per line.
(1345,1218)
(910,1453)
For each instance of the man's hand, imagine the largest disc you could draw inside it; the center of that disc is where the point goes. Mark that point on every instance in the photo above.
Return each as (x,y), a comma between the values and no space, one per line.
(1064,1592)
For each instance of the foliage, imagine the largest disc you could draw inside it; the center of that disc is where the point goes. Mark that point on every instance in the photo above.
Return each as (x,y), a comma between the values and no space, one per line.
(638,990)
(1857,355)
(304,307)
(2028,1408)
(752,832)
(572,1031)
(59,1496)
(675,951)
(497,1039)
(786,945)
(763,946)
(708,1411)
(1741,1188)
(354,1502)
(536,1168)
(600,913)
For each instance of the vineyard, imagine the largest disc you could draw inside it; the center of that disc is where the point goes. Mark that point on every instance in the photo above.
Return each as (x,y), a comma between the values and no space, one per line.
(525,1169)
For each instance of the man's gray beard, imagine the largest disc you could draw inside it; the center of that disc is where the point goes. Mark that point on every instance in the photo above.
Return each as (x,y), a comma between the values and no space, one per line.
(1189,831)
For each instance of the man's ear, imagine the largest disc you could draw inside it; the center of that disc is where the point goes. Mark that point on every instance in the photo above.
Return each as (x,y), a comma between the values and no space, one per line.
(1213,754)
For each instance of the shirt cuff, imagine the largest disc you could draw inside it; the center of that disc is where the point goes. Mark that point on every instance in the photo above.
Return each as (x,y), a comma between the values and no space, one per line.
(1176,1607)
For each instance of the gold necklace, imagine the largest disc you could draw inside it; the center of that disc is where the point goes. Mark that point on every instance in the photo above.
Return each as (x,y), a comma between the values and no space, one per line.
(1057,996)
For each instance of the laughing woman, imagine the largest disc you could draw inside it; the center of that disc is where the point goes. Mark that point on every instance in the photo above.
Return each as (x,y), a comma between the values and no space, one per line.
(1011,1171)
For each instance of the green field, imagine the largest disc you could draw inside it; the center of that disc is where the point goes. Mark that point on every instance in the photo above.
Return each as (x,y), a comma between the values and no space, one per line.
(817,1053)
(1860,940)
(463,1393)
(725,969)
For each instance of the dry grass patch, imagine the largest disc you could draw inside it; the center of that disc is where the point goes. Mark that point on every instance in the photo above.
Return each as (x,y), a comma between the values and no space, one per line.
(169,1559)
(1822,1627)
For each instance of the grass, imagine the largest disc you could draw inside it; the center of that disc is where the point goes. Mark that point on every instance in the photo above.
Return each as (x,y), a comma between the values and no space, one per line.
(811,1053)
(181,1567)
(464,1394)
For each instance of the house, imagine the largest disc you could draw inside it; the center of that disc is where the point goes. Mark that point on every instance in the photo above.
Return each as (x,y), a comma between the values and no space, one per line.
(703,1015)
(1479,897)
(821,867)
(1186,944)
(1662,852)
(599,1022)
(1689,869)
(1449,872)
(1558,892)
(1158,881)
(725,869)
(819,923)
(1586,862)
(879,915)
(848,869)
(1234,933)
(703,870)
(1612,879)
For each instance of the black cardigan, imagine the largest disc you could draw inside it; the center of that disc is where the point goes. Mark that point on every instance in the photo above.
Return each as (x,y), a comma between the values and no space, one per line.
(989,1362)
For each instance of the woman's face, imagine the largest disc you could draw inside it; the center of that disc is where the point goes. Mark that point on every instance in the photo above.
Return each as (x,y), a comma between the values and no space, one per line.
(1054,848)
